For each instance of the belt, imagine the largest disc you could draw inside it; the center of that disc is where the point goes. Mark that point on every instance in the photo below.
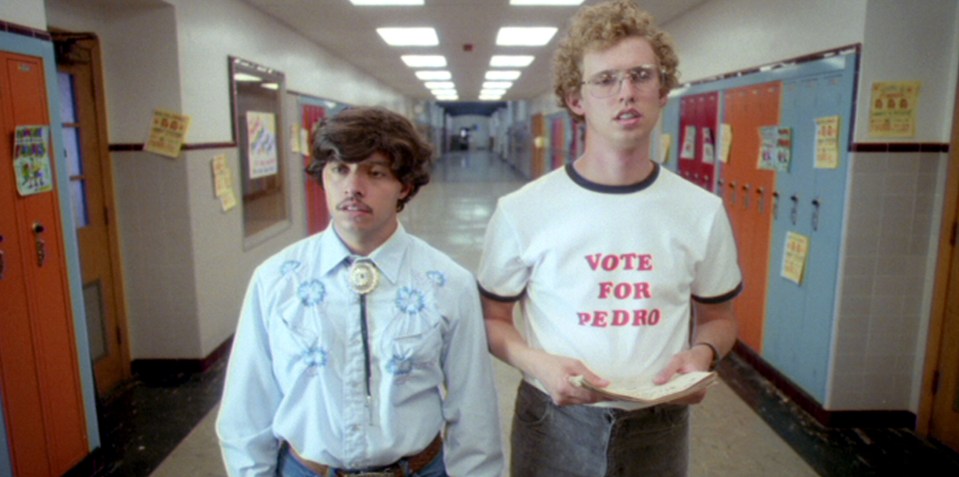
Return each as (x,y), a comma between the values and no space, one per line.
(415,463)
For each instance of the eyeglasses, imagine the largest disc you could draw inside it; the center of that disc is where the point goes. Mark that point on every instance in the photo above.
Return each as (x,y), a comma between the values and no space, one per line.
(608,83)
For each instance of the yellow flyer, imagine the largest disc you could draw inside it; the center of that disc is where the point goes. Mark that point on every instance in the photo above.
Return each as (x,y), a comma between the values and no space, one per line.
(167,134)
(725,141)
(893,109)
(827,142)
(665,142)
(794,257)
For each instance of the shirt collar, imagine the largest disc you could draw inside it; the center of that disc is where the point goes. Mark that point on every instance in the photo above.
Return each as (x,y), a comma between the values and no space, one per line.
(387,257)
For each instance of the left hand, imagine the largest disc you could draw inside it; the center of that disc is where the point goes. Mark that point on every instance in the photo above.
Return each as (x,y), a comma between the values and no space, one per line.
(697,358)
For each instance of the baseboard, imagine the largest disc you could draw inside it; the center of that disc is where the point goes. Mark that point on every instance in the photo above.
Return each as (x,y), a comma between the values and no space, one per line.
(166,370)
(827,418)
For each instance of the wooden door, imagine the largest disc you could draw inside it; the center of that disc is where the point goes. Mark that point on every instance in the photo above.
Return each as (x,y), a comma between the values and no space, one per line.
(83,117)
(39,373)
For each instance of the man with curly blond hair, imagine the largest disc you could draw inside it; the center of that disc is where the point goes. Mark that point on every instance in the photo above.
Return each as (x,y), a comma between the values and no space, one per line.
(621,269)
(361,349)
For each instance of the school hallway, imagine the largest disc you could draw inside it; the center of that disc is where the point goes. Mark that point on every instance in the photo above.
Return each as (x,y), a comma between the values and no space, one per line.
(746,427)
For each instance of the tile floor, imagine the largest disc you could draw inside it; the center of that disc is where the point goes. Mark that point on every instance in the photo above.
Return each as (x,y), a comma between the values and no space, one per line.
(744,428)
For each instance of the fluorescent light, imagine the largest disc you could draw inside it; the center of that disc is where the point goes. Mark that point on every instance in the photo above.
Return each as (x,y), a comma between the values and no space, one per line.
(525,36)
(511,60)
(434,75)
(483,97)
(492,92)
(424,61)
(554,3)
(246,78)
(496,75)
(380,3)
(442,92)
(497,84)
(272,86)
(420,36)
(448,98)
(439,85)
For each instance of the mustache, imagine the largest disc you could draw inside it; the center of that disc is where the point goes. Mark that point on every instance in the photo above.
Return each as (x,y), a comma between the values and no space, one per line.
(355,202)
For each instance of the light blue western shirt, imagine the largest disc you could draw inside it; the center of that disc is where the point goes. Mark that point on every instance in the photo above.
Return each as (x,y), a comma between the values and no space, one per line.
(298,369)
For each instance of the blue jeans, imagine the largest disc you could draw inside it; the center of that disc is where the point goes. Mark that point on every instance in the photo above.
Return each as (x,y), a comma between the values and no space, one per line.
(288,466)
(588,441)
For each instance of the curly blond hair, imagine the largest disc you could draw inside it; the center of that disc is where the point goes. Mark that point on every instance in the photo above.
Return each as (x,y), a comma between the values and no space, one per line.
(600,27)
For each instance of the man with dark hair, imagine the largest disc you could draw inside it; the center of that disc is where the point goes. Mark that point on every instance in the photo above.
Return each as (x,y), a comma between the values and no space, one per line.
(361,349)
(608,259)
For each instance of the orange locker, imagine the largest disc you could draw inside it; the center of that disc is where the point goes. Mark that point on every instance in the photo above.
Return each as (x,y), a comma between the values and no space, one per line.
(748,193)
(39,372)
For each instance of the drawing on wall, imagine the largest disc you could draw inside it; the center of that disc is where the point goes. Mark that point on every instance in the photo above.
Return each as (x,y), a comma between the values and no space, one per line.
(261,143)
(893,109)
(31,159)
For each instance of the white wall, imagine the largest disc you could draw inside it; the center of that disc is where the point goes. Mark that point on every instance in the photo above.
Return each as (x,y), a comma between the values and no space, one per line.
(28,13)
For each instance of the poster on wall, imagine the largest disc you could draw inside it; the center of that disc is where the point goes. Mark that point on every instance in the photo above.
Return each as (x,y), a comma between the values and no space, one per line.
(827,142)
(893,109)
(794,258)
(31,159)
(167,134)
(261,143)
(775,150)
(665,143)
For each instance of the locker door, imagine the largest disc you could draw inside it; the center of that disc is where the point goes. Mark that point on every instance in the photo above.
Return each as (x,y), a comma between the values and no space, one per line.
(317,215)
(38,359)
(699,112)
(748,198)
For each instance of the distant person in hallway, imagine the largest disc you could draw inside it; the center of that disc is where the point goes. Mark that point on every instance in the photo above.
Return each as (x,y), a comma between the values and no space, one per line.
(362,348)
(618,267)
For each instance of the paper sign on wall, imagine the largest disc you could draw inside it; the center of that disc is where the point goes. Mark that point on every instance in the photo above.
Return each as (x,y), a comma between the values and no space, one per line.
(893,109)
(665,143)
(725,141)
(31,159)
(795,253)
(261,144)
(709,147)
(223,182)
(688,150)
(775,151)
(167,134)
(827,142)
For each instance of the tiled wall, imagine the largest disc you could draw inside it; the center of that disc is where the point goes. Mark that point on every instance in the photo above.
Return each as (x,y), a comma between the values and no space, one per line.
(893,218)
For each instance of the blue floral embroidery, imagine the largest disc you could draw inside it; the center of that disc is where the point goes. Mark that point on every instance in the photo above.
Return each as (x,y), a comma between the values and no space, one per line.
(438,278)
(400,365)
(289,267)
(311,293)
(410,300)
(315,357)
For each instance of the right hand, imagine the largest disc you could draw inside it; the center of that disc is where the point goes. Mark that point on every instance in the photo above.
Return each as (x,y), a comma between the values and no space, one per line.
(554,372)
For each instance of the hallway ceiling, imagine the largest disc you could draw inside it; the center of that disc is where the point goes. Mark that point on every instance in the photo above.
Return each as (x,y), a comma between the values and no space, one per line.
(349,32)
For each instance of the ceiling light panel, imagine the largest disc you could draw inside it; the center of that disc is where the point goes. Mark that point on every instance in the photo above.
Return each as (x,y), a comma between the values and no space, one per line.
(382,3)
(551,3)
(424,36)
(504,75)
(511,60)
(439,85)
(434,75)
(424,61)
(497,84)
(524,36)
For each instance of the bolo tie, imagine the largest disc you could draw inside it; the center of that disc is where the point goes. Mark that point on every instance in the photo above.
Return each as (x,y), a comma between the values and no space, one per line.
(363,280)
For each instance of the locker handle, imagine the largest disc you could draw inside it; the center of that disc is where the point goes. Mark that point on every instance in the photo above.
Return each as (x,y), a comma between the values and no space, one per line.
(732,196)
(762,199)
(775,205)
(40,244)
(815,214)
(719,187)
(1,264)
(795,209)
(746,196)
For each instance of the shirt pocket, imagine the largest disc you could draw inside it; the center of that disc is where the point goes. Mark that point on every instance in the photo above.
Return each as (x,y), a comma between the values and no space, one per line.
(411,347)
